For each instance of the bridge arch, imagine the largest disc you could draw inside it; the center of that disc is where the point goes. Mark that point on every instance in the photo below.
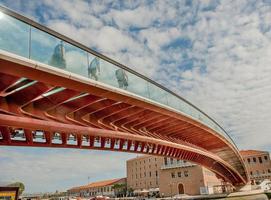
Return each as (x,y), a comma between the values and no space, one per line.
(39,102)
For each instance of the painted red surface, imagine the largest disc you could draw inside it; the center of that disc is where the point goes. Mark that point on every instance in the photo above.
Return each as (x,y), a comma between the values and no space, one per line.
(104,119)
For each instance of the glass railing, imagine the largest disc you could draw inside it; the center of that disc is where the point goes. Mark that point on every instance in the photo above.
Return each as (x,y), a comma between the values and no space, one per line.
(29,39)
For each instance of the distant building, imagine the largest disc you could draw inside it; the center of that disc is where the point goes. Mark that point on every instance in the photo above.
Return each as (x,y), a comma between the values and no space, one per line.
(170,176)
(182,177)
(258,165)
(105,188)
(143,173)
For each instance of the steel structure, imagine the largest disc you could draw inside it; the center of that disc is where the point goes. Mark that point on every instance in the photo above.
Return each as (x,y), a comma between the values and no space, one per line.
(44,106)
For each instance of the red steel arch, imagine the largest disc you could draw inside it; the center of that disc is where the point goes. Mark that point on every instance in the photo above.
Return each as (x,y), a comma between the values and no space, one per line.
(51,105)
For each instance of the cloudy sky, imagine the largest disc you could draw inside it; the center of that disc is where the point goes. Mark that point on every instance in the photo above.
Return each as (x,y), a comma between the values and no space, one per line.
(216,54)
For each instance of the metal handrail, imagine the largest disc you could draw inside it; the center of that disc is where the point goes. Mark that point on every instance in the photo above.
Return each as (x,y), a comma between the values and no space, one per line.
(33,23)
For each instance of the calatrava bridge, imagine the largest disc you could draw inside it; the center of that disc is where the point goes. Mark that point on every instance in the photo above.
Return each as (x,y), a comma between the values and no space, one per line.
(56,92)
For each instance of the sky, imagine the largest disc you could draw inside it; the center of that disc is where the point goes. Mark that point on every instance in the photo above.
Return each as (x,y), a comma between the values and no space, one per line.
(216,54)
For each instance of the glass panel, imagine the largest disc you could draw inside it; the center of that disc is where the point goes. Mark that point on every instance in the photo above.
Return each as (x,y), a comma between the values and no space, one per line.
(157,94)
(185,107)
(194,113)
(47,49)
(173,101)
(109,74)
(14,36)
(54,52)
(76,60)
(206,120)
(137,85)
(94,67)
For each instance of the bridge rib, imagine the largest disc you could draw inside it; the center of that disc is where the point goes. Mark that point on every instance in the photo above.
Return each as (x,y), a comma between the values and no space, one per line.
(95,118)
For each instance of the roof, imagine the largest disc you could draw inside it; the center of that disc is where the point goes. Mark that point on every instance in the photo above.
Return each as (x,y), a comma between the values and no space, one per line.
(140,157)
(97,184)
(252,152)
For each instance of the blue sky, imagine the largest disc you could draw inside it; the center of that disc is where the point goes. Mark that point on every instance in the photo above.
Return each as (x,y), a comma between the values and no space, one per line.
(216,54)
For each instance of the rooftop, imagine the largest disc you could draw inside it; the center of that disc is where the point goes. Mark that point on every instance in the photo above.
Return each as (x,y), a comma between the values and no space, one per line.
(140,157)
(252,152)
(98,184)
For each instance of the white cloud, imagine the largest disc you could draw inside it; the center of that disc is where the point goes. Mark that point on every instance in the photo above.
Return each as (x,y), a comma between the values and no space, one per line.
(230,75)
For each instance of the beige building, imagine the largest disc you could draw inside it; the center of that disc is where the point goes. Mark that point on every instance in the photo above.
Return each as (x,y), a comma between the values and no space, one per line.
(182,177)
(104,188)
(258,165)
(171,176)
(143,172)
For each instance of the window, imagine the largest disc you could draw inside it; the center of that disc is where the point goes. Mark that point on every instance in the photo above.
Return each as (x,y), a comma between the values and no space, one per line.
(150,183)
(265,157)
(179,174)
(260,160)
(248,160)
(150,174)
(172,174)
(144,174)
(156,173)
(171,160)
(251,173)
(186,173)
(269,170)
(254,159)
(165,160)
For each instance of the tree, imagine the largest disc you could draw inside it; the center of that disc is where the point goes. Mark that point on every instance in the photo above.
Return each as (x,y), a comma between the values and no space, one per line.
(130,192)
(120,189)
(18,184)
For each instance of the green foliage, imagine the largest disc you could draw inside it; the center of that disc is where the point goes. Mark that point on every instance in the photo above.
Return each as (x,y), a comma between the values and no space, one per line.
(18,184)
(120,189)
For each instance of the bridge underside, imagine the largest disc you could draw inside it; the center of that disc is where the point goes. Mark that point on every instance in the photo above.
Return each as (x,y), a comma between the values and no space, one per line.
(45,107)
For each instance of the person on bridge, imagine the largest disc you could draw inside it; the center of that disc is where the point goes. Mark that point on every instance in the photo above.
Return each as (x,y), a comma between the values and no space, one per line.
(93,67)
(58,58)
(122,78)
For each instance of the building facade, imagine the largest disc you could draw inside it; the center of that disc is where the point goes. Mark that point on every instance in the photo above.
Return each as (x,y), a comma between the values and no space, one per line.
(182,177)
(170,176)
(104,188)
(143,172)
(258,165)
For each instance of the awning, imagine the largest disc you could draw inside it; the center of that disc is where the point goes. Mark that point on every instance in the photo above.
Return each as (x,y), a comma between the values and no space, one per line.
(154,190)
(141,191)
